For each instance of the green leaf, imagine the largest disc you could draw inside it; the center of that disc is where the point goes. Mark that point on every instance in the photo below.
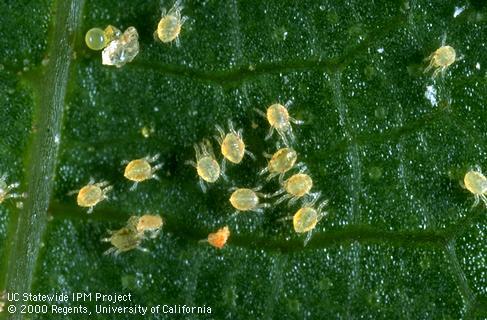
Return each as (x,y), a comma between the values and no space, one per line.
(384,142)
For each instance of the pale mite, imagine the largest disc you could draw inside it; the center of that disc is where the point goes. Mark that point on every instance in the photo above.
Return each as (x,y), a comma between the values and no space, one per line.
(91,194)
(294,188)
(280,162)
(169,27)
(139,170)
(307,217)
(440,60)
(147,225)
(122,240)
(243,199)
(206,165)
(122,49)
(6,189)
(232,146)
(475,182)
(279,119)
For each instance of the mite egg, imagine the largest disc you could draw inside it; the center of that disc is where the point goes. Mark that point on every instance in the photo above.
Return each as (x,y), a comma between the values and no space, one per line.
(95,39)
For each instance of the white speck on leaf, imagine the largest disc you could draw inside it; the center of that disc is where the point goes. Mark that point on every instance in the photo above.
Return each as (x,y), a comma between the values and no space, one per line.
(458,11)
(430,94)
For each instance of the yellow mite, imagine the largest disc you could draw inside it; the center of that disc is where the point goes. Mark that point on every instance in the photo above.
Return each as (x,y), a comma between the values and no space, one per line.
(169,27)
(232,145)
(244,199)
(206,165)
(91,194)
(279,119)
(146,224)
(306,218)
(476,183)
(141,169)
(296,187)
(280,162)
(440,60)
(122,240)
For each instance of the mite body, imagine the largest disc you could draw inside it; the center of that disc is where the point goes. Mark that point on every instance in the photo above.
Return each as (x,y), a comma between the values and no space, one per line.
(294,188)
(475,182)
(141,169)
(232,145)
(279,119)
(122,240)
(206,165)
(243,199)
(280,162)
(169,27)
(147,226)
(440,60)
(92,194)
(6,189)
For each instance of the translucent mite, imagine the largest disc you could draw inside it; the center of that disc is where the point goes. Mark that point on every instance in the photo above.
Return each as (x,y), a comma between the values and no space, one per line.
(219,238)
(306,218)
(169,26)
(280,162)
(244,199)
(206,165)
(122,49)
(122,240)
(147,225)
(476,183)
(297,186)
(278,117)
(440,60)
(232,145)
(91,194)
(141,169)
(6,189)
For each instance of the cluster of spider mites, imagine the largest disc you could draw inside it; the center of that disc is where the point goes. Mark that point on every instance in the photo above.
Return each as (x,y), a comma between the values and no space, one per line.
(282,164)
(120,48)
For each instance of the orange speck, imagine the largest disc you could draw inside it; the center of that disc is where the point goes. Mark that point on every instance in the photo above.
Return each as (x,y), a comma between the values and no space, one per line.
(219,238)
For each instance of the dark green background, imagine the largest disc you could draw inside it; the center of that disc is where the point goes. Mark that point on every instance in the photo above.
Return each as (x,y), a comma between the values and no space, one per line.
(400,240)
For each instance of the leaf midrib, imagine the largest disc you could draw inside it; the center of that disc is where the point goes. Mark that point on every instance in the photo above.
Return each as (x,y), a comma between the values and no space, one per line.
(43,149)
